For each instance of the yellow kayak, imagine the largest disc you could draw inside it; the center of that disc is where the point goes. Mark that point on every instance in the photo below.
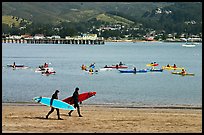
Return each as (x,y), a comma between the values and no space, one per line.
(172,68)
(179,73)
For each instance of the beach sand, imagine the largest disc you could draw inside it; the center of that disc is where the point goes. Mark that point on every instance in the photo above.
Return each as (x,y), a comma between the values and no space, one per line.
(30,118)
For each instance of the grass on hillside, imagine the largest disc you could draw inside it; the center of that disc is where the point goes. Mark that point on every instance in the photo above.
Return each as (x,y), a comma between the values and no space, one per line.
(113,19)
(12,20)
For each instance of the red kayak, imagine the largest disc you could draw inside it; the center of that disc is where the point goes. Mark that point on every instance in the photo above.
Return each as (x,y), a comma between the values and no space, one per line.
(117,67)
(82,97)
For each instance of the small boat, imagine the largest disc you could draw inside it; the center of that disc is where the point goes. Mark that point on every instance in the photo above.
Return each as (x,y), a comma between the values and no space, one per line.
(11,65)
(179,73)
(172,68)
(49,73)
(44,69)
(155,70)
(116,67)
(132,71)
(189,45)
(18,66)
(152,64)
(106,69)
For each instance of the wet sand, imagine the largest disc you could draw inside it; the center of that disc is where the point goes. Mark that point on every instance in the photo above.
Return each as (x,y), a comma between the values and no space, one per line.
(30,118)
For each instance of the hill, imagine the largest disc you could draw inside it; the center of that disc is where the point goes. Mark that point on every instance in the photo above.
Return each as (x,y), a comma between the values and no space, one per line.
(169,17)
(53,12)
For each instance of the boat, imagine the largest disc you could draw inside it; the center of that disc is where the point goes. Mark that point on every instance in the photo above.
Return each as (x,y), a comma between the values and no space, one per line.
(155,70)
(179,73)
(189,45)
(106,69)
(49,73)
(91,72)
(152,64)
(132,71)
(172,68)
(44,69)
(116,67)
(18,66)
(11,65)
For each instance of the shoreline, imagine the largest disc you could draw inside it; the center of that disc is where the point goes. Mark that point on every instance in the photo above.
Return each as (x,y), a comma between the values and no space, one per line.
(30,118)
(112,106)
(135,41)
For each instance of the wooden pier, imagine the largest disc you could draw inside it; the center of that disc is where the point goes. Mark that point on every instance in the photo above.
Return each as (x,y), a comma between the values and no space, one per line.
(55,41)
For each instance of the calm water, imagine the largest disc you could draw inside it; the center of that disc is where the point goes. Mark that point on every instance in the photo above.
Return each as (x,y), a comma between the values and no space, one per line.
(112,87)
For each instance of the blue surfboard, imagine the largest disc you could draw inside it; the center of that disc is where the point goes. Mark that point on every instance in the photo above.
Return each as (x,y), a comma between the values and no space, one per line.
(56,103)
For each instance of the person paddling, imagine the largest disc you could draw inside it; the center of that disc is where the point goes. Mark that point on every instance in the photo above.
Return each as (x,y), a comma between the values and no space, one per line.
(183,71)
(135,70)
(14,65)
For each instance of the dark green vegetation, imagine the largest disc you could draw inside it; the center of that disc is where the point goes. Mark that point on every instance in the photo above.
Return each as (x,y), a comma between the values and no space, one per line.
(73,18)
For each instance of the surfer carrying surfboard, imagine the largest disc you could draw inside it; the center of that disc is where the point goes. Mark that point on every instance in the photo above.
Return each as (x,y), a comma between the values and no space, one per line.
(76,104)
(54,96)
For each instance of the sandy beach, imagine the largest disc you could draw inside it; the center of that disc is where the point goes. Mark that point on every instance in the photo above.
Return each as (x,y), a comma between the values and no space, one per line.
(30,118)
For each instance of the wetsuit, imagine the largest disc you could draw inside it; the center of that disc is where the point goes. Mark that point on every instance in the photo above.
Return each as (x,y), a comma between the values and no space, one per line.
(54,96)
(76,104)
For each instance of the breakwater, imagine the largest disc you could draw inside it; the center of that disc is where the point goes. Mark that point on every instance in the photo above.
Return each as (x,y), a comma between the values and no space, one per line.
(55,41)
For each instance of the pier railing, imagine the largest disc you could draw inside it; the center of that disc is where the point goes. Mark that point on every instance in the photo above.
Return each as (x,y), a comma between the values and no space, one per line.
(55,41)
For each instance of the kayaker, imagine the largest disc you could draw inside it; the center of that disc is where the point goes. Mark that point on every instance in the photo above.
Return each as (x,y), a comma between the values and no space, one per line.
(45,65)
(117,66)
(120,64)
(152,68)
(14,65)
(106,66)
(183,71)
(47,71)
(90,70)
(83,67)
(174,66)
(135,70)
(54,96)
(76,100)
(92,65)
(168,65)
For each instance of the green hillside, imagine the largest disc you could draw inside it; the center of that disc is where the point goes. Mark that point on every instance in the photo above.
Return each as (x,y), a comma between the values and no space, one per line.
(53,12)
(13,21)
(74,17)
(113,19)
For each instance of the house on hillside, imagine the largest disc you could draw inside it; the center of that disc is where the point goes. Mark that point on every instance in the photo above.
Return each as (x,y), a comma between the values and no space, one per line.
(39,36)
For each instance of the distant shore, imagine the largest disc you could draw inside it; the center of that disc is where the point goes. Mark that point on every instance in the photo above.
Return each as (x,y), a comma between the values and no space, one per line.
(30,118)
(134,41)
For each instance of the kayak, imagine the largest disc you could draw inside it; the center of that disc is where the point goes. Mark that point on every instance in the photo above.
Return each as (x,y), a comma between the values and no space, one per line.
(17,67)
(179,73)
(89,72)
(132,71)
(106,69)
(51,72)
(11,65)
(154,64)
(172,68)
(155,70)
(114,66)
(43,69)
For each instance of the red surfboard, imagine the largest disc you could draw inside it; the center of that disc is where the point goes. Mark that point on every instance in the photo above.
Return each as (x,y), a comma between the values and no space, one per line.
(82,97)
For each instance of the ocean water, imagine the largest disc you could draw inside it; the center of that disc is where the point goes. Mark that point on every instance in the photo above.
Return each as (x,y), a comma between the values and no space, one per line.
(112,87)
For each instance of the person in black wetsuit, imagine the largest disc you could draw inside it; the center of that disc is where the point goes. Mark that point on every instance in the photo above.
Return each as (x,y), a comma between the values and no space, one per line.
(54,96)
(14,65)
(134,70)
(76,104)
